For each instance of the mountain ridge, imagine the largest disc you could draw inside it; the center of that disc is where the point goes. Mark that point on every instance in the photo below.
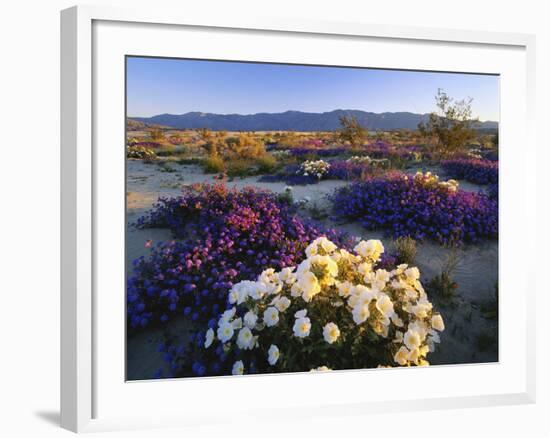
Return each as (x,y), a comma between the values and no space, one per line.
(292,120)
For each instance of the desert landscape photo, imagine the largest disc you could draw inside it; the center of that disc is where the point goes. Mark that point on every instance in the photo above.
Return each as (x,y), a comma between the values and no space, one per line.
(295,218)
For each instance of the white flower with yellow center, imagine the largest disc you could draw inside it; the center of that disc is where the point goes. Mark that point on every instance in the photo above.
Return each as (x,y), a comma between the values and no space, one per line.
(412,339)
(360,313)
(225,332)
(331,332)
(414,355)
(309,285)
(385,306)
(287,276)
(258,291)
(400,269)
(303,267)
(250,319)
(326,244)
(312,249)
(238,368)
(412,274)
(372,249)
(271,316)
(267,276)
(343,288)
(437,322)
(295,290)
(209,338)
(364,294)
(273,354)
(245,339)
(281,303)
(227,315)
(402,356)
(380,279)
(365,268)
(239,292)
(421,309)
(302,327)
(326,263)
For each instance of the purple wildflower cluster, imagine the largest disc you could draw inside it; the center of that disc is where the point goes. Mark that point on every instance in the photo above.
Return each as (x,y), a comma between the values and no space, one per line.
(313,143)
(347,170)
(227,236)
(381,149)
(321,153)
(339,169)
(475,170)
(404,207)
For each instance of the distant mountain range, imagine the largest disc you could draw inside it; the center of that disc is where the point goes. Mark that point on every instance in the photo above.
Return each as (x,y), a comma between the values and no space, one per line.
(291,121)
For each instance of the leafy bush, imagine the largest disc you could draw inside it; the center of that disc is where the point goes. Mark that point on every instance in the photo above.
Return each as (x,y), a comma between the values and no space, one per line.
(246,145)
(213,164)
(419,207)
(317,169)
(406,249)
(334,310)
(140,152)
(266,163)
(474,170)
(351,131)
(239,167)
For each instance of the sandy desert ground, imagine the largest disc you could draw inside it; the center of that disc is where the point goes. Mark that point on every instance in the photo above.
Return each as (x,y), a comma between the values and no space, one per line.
(471,324)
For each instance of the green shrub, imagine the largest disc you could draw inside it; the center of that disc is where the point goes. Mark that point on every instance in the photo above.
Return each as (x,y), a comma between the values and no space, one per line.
(406,250)
(166,150)
(266,163)
(213,164)
(443,284)
(239,168)
(140,152)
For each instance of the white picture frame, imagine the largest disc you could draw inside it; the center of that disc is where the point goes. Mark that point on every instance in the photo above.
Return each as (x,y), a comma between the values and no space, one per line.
(82,369)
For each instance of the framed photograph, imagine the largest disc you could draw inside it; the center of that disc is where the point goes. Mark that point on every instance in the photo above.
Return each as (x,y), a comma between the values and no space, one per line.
(250,207)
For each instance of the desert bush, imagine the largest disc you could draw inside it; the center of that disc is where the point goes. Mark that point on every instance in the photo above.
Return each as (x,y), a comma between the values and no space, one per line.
(156,134)
(140,152)
(287,197)
(351,131)
(166,150)
(239,167)
(405,249)
(213,142)
(317,169)
(266,163)
(334,310)
(246,146)
(451,126)
(443,283)
(213,164)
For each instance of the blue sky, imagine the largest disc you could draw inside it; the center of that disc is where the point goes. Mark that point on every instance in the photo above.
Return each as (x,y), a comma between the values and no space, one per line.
(177,86)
